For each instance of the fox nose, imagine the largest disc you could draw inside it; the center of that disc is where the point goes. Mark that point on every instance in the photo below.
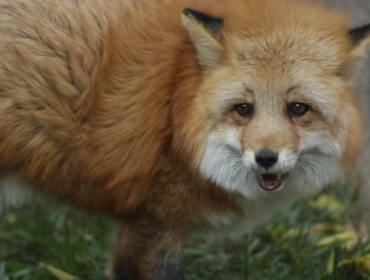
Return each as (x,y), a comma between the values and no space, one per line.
(266,158)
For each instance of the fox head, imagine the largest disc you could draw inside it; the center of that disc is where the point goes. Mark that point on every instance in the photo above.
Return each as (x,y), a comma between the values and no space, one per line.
(275,106)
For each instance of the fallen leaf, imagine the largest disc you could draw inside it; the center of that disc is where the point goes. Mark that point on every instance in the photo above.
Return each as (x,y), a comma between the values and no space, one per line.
(340,237)
(330,266)
(323,228)
(59,274)
(327,203)
(362,262)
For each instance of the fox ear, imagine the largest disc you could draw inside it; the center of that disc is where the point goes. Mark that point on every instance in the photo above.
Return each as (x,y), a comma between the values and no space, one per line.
(205,33)
(360,38)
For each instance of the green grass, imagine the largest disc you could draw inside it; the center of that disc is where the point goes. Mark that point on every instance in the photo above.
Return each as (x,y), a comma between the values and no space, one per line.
(284,248)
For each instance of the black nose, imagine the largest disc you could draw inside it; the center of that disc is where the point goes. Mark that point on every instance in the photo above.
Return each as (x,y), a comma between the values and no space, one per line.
(266,158)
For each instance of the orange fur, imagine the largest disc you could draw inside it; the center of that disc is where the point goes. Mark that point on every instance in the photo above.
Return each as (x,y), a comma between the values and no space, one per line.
(106,107)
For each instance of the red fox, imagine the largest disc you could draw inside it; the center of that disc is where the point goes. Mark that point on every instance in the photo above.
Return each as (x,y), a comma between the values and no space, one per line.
(168,115)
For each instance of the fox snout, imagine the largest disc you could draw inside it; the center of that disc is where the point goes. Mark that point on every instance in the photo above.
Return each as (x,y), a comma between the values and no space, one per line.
(270,160)
(270,167)
(266,158)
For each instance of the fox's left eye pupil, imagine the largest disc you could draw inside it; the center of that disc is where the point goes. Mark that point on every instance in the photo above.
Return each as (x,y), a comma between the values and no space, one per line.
(244,109)
(298,109)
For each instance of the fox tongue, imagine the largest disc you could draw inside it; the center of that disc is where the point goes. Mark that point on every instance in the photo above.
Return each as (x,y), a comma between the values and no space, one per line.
(270,182)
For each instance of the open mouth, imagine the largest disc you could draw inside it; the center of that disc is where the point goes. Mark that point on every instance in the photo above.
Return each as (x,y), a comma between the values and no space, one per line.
(271,182)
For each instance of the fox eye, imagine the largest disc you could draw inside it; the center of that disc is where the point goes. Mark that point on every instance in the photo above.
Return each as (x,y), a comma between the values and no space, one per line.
(297,109)
(244,109)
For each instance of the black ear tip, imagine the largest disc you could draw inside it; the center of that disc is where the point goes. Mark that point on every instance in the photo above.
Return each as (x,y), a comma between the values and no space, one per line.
(211,23)
(359,33)
(201,17)
(189,12)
